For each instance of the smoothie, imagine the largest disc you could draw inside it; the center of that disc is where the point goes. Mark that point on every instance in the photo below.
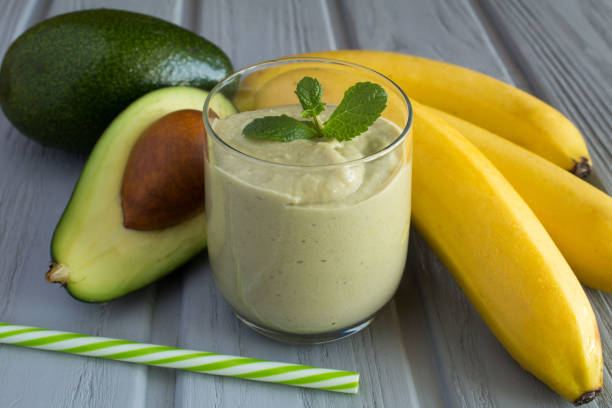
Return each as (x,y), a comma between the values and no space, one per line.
(304,237)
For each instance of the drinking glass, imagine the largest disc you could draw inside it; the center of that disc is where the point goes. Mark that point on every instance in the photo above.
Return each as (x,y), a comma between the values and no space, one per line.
(306,253)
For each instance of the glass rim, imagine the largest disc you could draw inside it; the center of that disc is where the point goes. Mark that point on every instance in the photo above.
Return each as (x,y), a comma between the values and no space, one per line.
(371,157)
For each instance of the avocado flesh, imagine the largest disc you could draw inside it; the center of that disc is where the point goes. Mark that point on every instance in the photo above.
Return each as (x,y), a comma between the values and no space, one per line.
(101,259)
(65,79)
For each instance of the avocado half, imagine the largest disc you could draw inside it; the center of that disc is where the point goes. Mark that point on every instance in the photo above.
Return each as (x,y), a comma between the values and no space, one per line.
(94,255)
(66,78)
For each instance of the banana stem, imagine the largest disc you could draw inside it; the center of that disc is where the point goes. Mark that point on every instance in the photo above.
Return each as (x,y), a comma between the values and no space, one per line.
(582,168)
(58,273)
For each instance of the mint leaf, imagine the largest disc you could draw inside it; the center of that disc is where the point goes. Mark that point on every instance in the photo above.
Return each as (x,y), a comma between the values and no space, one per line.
(361,106)
(283,128)
(309,92)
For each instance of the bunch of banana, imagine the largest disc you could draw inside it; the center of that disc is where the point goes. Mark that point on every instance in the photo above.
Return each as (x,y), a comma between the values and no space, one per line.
(514,229)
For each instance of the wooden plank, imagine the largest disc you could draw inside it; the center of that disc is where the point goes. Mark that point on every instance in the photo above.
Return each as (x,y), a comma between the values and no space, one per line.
(165,330)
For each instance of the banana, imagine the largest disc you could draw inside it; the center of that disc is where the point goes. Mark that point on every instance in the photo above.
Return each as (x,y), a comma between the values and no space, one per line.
(577,216)
(504,260)
(478,98)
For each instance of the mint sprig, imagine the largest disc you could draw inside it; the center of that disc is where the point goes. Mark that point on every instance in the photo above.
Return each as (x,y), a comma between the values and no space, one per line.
(361,105)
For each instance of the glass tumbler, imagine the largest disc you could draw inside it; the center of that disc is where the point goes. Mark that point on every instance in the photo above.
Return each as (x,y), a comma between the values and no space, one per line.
(306,251)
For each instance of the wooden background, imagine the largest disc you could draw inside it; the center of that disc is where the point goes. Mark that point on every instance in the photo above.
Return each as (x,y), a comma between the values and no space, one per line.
(428,348)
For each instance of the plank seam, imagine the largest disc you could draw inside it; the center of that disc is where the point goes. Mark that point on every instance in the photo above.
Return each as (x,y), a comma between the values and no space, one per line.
(430,312)
(337,17)
(498,45)
(329,28)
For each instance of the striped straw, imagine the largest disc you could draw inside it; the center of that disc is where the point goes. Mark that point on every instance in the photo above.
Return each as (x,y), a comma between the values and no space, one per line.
(171,357)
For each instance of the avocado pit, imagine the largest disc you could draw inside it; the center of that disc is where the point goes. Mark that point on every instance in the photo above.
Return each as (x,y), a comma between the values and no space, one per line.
(163,181)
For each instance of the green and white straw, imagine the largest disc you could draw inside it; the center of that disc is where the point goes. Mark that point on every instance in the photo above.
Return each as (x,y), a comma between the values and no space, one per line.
(171,357)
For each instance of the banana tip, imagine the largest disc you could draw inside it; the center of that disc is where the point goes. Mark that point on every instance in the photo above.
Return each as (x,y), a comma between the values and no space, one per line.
(58,273)
(582,168)
(587,397)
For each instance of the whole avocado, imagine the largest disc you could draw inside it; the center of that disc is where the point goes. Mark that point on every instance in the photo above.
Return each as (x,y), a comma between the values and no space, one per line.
(65,79)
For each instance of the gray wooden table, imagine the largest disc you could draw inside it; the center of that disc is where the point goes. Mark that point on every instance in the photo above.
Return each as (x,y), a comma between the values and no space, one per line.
(428,348)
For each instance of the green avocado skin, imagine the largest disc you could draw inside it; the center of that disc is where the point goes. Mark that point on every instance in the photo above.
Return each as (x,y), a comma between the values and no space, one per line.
(65,79)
